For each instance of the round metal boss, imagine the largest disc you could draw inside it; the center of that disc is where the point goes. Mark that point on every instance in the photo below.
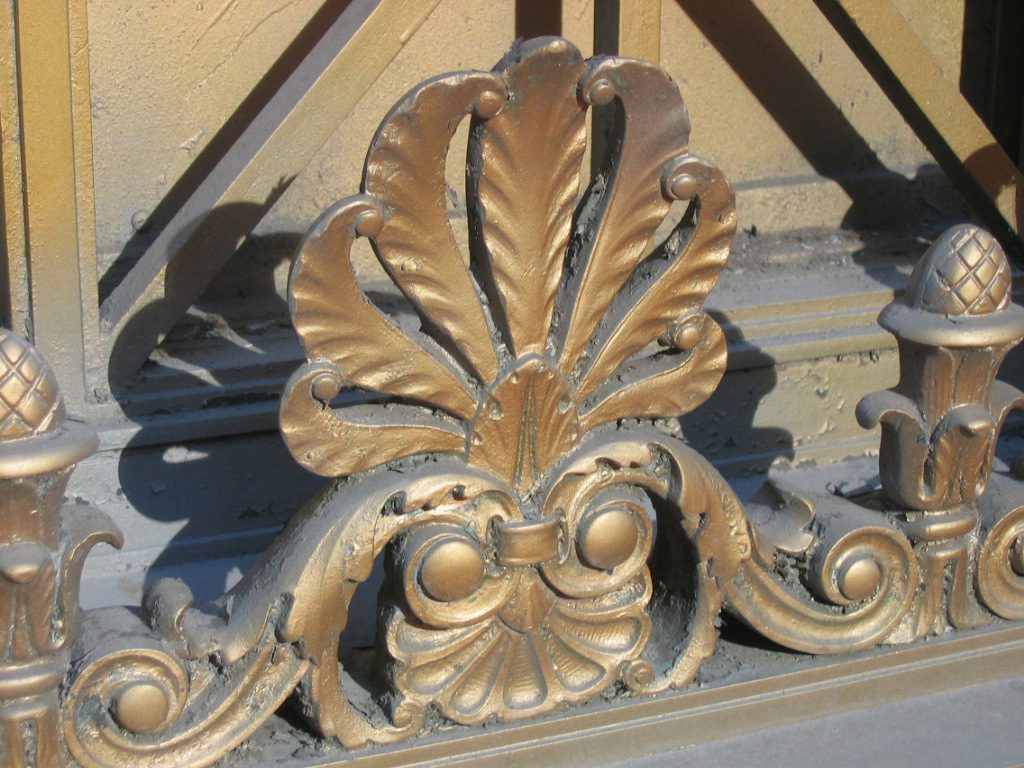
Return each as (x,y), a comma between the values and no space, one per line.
(859,579)
(607,537)
(140,708)
(452,569)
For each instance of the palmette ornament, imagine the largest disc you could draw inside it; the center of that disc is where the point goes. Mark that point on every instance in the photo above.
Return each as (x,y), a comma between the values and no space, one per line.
(537,549)
(541,541)
(537,595)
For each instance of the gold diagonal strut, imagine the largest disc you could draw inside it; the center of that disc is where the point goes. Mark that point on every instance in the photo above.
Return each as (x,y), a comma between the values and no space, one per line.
(934,108)
(268,154)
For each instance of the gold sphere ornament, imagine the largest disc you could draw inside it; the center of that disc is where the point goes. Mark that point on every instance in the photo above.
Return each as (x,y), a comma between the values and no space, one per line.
(607,537)
(859,579)
(452,570)
(141,708)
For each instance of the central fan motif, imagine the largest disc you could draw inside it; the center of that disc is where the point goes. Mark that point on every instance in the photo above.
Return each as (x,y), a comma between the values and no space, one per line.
(550,322)
(564,319)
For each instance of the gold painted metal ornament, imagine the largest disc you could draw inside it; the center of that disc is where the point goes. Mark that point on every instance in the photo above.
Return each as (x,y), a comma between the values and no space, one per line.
(943,550)
(542,540)
(954,326)
(515,518)
(42,551)
(520,604)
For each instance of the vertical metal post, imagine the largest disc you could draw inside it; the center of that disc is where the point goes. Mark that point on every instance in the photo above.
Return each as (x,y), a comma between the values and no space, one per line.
(628,28)
(537,18)
(50,229)
(622,28)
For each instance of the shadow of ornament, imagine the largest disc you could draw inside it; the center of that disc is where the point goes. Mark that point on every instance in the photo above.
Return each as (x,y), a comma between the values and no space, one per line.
(543,540)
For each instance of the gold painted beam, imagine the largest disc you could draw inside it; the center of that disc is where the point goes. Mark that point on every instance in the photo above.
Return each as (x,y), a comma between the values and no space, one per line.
(934,108)
(95,368)
(16,307)
(613,734)
(49,86)
(246,181)
(622,28)
(537,18)
(629,28)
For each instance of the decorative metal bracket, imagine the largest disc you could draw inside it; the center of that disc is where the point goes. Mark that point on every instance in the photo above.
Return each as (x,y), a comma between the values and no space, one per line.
(543,538)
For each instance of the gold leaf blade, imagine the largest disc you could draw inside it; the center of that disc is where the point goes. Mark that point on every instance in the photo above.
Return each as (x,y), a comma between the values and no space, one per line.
(405,168)
(341,442)
(684,285)
(655,390)
(525,425)
(626,202)
(336,321)
(523,179)
(525,685)
(466,701)
(575,671)
(455,650)
(603,639)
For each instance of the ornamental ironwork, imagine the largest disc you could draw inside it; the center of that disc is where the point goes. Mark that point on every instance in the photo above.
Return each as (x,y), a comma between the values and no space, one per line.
(545,537)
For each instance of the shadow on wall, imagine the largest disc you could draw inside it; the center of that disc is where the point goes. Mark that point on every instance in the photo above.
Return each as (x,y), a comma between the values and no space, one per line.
(980,165)
(723,428)
(160,481)
(227,135)
(230,495)
(805,112)
(235,474)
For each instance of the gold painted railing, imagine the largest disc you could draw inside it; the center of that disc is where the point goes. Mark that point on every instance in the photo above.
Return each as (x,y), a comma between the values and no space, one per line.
(545,538)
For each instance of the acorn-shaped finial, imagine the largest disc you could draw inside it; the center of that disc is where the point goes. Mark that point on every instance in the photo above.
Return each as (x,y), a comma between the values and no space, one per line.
(35,436)
(30,399)
(964,272)
(958,295)
(954,325)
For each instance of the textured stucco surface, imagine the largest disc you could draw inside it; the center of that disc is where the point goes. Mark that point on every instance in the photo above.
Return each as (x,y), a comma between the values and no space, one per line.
(775,97)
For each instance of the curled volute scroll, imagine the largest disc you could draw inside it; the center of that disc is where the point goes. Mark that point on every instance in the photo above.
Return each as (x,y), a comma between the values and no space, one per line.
(934,547)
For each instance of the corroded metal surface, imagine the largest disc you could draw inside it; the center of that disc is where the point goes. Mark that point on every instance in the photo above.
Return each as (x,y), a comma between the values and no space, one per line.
(543,537)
